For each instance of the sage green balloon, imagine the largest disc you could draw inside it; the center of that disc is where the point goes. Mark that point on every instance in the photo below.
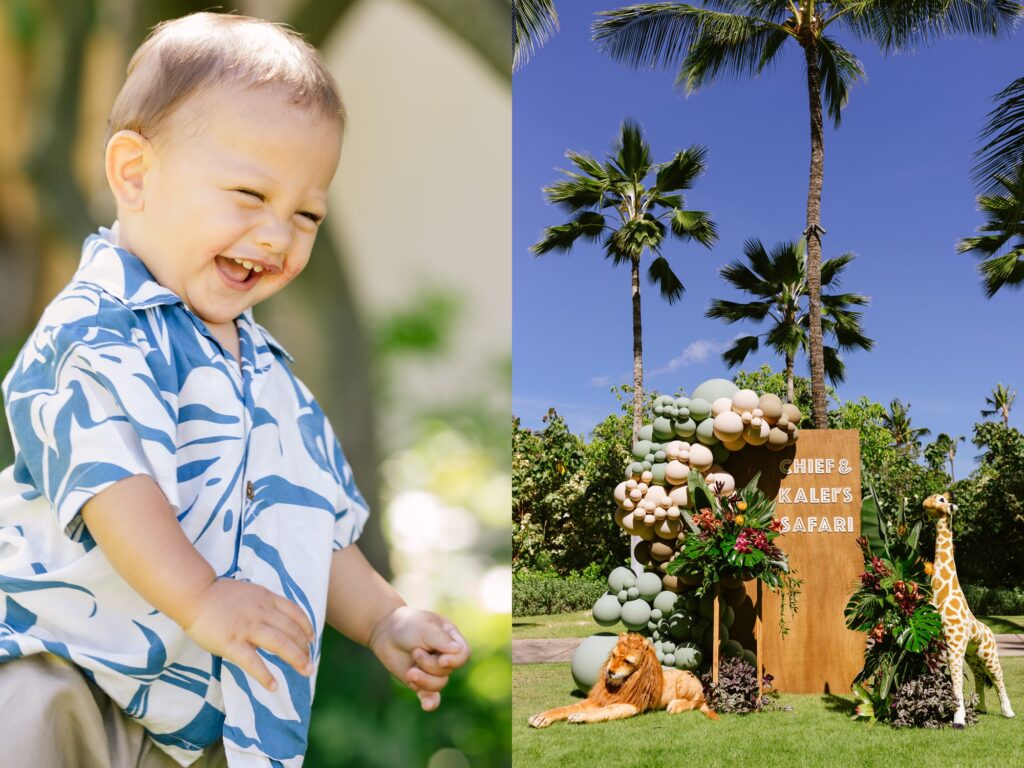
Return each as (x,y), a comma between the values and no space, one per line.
(669,660)
(633,593)
(590,656)
(641,449)
(636,614)
(692,604)
(646,432)
(635,468)
(732,649)
(685,428)
(728,616)
(658,472)
(700,409)
(706,432)
(622,595)
(712,389)
(648,585)
(663,429)
(680,626)
(665,601)
(621,578)
(607,610)
(750,657)
(656,615)
(668,647)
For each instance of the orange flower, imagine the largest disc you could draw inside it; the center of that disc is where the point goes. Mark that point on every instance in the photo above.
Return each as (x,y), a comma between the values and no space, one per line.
(741,505)
(929,568)
(740,519)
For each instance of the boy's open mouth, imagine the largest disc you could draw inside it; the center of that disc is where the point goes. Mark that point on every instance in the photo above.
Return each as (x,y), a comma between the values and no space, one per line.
(237,274)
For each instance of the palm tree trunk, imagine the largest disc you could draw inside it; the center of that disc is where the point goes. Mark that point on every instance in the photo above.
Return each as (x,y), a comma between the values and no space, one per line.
(1006,417)
(790,397)
(814,234)
(952,455)
(638,353)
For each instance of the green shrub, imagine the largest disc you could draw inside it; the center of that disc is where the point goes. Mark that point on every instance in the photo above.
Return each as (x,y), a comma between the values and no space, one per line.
(992,601)
(539,594)
(927,702)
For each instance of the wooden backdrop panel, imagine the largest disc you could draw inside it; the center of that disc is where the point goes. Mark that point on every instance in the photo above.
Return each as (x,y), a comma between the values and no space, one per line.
(819,654)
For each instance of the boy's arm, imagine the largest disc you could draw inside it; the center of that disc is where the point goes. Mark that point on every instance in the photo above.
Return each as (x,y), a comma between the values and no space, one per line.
(418,647)
(137,530)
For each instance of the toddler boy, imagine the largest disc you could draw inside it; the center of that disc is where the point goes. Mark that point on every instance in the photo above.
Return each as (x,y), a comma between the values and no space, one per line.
(179,522)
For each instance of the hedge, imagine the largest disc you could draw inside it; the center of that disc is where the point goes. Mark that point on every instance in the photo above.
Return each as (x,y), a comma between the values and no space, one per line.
(991,601)
(539,594)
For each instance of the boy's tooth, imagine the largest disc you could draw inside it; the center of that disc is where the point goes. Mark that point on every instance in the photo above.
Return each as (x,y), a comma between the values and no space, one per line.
(257,268)
(247,264)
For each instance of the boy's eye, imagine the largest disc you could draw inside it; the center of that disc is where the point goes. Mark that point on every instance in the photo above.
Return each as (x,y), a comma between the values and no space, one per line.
(316,219)
(249,193)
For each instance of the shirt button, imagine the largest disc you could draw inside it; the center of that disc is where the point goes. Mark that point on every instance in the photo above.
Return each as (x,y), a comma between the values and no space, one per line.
(250,494)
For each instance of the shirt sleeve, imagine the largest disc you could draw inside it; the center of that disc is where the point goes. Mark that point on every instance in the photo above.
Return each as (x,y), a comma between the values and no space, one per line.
(85,411)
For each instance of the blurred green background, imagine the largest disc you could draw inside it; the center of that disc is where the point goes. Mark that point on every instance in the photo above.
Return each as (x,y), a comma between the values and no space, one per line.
(400,325)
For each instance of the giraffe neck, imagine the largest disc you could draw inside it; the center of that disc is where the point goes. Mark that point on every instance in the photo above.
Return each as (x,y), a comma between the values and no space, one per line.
(945,584)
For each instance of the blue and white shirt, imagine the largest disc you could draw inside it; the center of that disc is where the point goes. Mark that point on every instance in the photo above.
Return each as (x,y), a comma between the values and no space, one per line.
(118,379)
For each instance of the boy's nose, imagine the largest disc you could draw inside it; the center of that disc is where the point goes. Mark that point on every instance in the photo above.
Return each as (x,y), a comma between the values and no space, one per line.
(275,236)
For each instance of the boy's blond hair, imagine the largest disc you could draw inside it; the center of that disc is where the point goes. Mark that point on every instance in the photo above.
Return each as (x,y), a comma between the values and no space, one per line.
(199,51)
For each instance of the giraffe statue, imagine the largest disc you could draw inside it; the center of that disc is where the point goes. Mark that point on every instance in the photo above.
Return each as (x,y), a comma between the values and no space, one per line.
(965,635)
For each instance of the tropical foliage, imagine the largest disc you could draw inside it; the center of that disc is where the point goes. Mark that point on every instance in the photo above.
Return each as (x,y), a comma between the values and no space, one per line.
(904,435)
(744,37)
(777,281)
(1003,150)
(533,24)
(611,202)
(1001,242)
(941,451)
(892,606)
(734,538)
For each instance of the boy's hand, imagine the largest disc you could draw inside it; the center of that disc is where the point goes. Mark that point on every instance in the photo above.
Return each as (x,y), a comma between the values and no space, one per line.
(234,618)
(421,649)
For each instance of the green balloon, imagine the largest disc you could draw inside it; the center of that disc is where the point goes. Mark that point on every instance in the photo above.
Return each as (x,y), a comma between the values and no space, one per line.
(669,660)
(658,473)
(655,617)
(682,402)
(633,593)
(668,647)
(641,449)
(732,649)
(707,606)
(663,429)
(692,604)
(635,468)
(589,657)
(728,616)
(723,633)
(607,610)
(622,595)
(646,432)
(648,585)
(750,657)
(680,626)
(712,389)
(636,614)
(665,601)
(699,409)
(685,428)
(706,432)
(720,452)
(617,579)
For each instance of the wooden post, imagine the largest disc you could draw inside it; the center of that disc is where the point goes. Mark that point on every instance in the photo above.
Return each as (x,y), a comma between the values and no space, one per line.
(758,644)
(716,635)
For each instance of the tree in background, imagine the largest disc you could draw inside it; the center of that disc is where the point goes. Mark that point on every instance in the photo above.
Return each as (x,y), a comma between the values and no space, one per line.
(1003,134)
(941,451)
(778,283)
(611,203)
(743,37)
(1002,261)
(904,435)
(1001,401)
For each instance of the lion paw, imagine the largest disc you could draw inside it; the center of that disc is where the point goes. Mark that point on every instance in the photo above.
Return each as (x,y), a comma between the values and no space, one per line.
(577,717)
(539,721)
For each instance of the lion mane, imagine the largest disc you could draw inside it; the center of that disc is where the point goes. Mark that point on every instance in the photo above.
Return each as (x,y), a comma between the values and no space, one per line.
(645,683)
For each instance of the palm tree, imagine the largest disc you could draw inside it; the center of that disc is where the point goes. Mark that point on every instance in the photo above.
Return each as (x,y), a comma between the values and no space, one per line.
(897,421)
(1005,213)
(1001,401)
(943,450)
(609,202)
(745,36)
(778,281)
(533,24)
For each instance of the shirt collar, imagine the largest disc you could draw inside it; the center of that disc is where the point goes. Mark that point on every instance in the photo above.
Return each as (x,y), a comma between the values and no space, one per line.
(121,274)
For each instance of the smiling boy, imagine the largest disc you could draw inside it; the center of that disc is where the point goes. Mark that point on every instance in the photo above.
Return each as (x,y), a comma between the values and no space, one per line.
(179,523)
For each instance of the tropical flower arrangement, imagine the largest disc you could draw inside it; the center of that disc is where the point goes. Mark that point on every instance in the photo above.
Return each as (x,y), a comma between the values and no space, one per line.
(732,539)
(892,605)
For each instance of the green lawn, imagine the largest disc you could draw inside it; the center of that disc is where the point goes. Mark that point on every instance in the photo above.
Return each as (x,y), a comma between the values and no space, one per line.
(581,624)
(817,732)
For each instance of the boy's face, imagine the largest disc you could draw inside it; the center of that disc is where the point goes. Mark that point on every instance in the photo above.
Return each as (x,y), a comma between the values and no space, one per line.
(236,174)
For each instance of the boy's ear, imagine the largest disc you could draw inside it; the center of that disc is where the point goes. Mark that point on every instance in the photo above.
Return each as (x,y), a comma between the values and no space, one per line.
(126,167)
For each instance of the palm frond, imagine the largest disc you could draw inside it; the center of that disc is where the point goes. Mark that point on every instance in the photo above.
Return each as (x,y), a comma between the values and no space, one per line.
(835,368)
(1003,134)
(533,24)
(633,158)
(839,70)
(831,268)
(734,311)
(660,274)
(731,44)
(999,271)
(561,238)
(694,225)
(737,353)
(741,276)
(681,171)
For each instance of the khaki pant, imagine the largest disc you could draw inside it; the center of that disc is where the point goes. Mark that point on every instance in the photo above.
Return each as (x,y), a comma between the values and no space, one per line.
(52,716)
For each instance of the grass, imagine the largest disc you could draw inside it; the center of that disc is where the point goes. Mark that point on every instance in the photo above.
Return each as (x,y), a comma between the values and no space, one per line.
(581,624)
(816,732)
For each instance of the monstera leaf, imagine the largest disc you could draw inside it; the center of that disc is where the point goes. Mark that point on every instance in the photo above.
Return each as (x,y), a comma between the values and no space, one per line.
(923,626)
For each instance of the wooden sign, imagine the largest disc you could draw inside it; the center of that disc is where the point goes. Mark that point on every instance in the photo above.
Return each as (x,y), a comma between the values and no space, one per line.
(817,486)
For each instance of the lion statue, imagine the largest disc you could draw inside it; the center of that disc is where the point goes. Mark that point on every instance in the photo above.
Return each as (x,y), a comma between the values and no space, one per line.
(630,682)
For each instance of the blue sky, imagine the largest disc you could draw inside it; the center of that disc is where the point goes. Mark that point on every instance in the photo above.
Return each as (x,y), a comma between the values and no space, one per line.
(897,193)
